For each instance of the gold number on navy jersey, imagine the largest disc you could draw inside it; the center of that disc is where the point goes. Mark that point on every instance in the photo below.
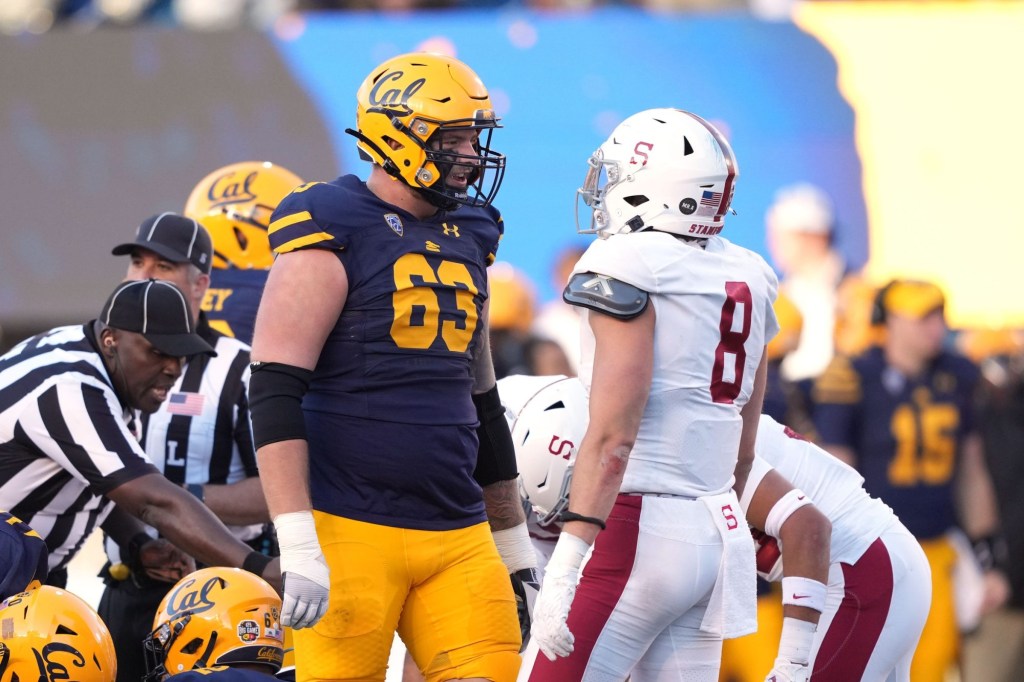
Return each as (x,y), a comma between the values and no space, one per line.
(419,317)
(925,434)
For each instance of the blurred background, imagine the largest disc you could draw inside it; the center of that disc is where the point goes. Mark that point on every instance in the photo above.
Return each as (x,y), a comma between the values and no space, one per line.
(880,138)
(904,114)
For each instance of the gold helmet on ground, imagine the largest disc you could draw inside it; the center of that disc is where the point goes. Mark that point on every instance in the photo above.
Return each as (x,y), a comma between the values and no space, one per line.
(48,633)
(215,616)
(234,204)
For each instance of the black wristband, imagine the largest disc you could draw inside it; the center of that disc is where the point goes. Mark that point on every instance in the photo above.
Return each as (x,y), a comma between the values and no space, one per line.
(990,551)
(256,563)
(134,547)
(196,489)
(573,516)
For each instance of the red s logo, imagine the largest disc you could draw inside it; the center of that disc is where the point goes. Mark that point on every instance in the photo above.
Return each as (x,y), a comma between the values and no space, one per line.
(641,153)
(564,449)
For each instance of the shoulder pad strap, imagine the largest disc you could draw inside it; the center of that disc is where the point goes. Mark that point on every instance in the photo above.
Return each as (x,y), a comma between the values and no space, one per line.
(606,295)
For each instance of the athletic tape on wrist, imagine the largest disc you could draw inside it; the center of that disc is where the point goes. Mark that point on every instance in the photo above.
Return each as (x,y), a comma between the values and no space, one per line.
(515,548)
(800,591)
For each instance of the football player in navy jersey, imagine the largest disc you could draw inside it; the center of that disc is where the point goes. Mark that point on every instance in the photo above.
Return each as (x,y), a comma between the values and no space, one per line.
(901,413)
(384,452)
(234,203)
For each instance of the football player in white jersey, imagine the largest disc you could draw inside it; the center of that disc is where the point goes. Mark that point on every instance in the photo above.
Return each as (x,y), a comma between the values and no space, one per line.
(675,322)
(879,583)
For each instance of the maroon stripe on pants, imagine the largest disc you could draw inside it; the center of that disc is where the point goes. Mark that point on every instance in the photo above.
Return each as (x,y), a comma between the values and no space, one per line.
(853,633)
(603,581)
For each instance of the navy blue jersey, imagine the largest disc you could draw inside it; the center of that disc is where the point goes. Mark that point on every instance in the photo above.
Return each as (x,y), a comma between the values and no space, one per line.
(905,432)
(389,414)
(223,673)
(23,556)
(232,299)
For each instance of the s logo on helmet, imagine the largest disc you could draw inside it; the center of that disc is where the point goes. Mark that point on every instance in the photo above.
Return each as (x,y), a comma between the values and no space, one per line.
(222,193)
(393,100)
(54,670)
(186,599)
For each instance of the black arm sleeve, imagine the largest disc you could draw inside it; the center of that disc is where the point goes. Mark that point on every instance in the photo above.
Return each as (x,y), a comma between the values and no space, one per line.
(496,458)
(275,402)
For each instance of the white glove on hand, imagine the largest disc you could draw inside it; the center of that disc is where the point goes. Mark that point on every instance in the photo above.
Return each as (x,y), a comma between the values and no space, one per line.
(551,610)
(306,578)
(784,671)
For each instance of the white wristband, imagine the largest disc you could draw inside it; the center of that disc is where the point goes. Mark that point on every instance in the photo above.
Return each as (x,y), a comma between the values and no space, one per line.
(800,591)
(515,548)
(782,510)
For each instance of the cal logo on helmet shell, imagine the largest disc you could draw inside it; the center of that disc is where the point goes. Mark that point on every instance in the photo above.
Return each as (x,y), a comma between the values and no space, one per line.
(394,100)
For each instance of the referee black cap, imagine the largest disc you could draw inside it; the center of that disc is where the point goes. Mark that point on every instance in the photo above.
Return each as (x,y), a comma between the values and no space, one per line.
(160,312)
(174,237)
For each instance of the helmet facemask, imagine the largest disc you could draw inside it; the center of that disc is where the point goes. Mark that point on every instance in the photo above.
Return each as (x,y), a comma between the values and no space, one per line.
(483,170)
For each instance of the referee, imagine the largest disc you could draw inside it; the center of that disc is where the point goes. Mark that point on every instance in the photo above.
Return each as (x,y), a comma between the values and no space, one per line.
(200,437)
(67,448)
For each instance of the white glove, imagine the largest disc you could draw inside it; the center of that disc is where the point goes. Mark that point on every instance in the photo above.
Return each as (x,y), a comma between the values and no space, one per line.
(305,576)
(784,671)
(557,590)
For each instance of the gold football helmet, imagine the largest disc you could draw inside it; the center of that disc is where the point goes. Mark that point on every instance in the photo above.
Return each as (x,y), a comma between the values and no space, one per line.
(234,204)
(48,633)
(404,109)
(215,616)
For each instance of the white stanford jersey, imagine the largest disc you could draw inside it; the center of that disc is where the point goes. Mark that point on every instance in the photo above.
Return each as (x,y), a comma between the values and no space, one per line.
(714,316)
(64,438)
(836,488)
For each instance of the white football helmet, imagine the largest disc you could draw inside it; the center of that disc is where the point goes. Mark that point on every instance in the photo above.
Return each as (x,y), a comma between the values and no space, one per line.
(661,169)
(547,435)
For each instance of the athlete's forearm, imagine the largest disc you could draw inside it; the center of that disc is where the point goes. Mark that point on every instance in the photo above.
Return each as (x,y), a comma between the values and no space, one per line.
(284,475)
(504,507)
(240,503)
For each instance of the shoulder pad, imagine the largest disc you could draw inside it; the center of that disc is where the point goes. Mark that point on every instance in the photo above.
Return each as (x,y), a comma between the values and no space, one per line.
(606,295)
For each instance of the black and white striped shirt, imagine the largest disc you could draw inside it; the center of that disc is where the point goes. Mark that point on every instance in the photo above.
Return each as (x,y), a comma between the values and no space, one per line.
(202,433)
(65,439)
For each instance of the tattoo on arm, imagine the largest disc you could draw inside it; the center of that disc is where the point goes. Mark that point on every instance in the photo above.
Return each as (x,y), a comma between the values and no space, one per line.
(504,508)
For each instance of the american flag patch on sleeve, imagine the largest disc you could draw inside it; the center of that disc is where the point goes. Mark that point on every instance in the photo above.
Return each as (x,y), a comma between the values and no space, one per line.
(186,403)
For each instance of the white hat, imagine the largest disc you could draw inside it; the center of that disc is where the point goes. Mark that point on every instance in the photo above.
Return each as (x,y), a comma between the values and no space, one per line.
(801,208)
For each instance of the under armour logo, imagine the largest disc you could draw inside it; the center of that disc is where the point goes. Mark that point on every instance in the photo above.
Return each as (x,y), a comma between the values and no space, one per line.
(599,281)
(450,230)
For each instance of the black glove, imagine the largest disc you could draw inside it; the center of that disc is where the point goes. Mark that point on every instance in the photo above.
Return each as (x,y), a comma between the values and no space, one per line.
(525,584)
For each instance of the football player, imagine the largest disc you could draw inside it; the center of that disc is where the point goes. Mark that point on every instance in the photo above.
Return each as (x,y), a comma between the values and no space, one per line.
(234,204)
(878,588)
(223,623)
(23,556)
(674,329)
(902,413)
(48,633)
(382,445)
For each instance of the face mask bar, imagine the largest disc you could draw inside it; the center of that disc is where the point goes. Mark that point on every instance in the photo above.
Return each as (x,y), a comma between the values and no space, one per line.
(485,178)
(601,176)
(156,644)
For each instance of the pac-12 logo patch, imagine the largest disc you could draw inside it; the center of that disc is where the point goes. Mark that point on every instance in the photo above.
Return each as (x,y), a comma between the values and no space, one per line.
(395,223)
(248,631)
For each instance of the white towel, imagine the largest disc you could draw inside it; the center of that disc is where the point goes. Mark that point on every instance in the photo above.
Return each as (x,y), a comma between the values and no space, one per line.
(732,610)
